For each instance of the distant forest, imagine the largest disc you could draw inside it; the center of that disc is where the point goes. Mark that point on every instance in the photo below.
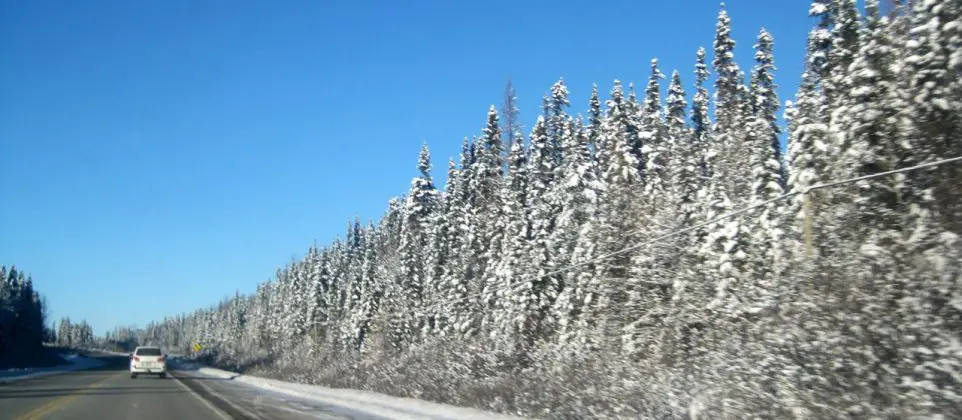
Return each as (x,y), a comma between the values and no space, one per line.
(22,318)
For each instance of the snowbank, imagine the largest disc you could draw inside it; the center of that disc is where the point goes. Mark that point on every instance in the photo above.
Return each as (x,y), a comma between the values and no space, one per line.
(361,401)
(76,363)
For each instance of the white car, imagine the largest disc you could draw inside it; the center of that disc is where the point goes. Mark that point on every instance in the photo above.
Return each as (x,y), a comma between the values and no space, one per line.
(148,359)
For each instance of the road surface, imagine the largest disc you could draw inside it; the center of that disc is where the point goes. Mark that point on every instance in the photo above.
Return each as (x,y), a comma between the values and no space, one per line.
(109,393)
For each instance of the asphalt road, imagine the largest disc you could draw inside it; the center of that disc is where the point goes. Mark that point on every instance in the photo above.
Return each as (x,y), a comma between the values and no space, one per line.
(109,393)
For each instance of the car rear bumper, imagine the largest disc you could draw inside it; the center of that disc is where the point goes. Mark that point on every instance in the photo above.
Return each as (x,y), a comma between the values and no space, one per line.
(152,369)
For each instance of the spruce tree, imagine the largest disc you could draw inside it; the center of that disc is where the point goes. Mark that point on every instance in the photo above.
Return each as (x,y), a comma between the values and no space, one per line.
(701,120)
(619,212)
(506,301)
(485,208)
(654,137)
(455,282)
(557,118)
(419,213)
(686,157)
(762,133)
(544,206)
(594,122)
(933,222)
(577,192)
(727,134)
(846,25)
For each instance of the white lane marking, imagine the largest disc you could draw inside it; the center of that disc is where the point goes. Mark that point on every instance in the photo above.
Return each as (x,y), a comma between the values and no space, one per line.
(322,416)
(216,410)
(216,394)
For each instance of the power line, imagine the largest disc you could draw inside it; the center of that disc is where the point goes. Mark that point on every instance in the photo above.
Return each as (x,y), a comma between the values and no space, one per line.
(829,184)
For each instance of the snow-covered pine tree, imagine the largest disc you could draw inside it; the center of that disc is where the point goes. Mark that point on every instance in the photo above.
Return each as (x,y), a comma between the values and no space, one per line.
(334,298)
(687,170)
(456,283)
(934,91)
(868,125)
(439,257)
(634,128)
(315,305)
(820,38)
(817,229)
(286,316)
(557,119)
(700,119)
(257,323)
(526,302)
(657,145)
(63,331)
(594,124)
(485,182)
(846,25)
(932,86)
(298,301)
(620,218)
(724,251)
(808,159)
(419,212)
(572,327)
(544,200)
(353,313)
(725,248)
(371,289)
(727,133)
(577,190)
(764,98)
(502,296)
(652,266)
(490,283)
(767,179)
(727,82)
(685,165)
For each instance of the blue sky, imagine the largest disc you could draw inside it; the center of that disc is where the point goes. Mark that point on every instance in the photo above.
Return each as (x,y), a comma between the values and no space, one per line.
(159,155)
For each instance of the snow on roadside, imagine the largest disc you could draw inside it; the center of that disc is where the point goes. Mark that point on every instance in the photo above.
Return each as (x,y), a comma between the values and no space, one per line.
(76,363)
(357,400)
(112,353)
(183,364)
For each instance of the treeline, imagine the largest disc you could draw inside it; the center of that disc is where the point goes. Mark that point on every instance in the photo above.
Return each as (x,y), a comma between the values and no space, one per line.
(124,339)
(74,334)
(22,319)
(543,280)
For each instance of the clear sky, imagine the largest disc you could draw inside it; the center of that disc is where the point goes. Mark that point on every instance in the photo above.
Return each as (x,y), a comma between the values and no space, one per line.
(159,155)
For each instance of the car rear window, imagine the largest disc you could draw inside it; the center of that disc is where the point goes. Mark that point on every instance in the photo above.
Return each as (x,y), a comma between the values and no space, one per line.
(149,351)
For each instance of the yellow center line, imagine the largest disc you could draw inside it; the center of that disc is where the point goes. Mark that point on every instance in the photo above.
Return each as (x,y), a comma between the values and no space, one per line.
(50,406)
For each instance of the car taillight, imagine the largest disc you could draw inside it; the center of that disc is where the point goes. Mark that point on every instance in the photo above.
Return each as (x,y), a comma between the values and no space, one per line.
(160,359)
(136,359)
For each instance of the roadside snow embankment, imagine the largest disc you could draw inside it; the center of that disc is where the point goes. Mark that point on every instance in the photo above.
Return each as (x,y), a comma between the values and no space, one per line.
(111,352)
(76,362)
(361,401)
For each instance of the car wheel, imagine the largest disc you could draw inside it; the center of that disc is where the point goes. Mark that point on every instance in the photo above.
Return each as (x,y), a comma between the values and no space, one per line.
(162,375)
(133,376)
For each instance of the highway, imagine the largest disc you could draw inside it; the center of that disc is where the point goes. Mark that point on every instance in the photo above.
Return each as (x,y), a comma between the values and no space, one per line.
(109,393)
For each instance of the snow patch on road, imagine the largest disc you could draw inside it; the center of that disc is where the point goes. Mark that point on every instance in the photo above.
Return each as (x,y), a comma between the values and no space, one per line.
(77,362)
(357,400)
